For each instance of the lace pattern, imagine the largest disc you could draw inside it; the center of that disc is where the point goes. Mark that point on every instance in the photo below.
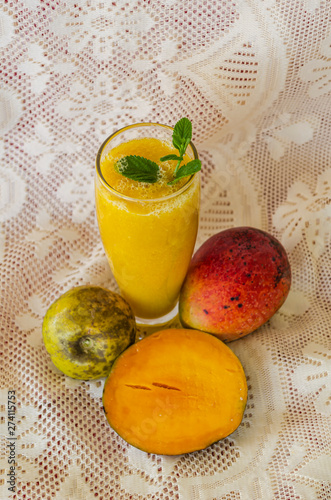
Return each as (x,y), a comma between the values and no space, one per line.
(254,77)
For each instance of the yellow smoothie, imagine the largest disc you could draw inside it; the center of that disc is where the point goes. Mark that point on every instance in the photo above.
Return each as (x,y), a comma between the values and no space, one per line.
(148,230)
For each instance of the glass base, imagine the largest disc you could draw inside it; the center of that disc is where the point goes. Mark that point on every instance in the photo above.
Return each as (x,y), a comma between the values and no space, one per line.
(148,326)
(158,321)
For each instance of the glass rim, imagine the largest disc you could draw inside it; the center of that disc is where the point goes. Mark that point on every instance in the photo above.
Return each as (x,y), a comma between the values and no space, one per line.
(131,198)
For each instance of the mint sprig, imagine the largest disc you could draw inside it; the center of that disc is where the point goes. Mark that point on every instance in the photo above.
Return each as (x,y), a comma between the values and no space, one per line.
(182,135)
(138,168)
(188,169)
(141,169)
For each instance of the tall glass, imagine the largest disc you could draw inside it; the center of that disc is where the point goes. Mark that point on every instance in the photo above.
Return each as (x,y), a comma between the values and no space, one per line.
(148,242)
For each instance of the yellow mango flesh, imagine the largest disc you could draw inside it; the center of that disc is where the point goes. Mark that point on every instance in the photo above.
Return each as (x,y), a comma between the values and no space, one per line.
(175,392)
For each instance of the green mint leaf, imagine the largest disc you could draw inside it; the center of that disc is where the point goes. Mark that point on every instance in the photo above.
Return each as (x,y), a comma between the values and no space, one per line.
(143,170)
(171,157)
(138,169)
(190,168)
(182,135)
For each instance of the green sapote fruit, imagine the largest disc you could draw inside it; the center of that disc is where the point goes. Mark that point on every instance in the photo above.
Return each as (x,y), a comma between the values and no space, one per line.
(86,329)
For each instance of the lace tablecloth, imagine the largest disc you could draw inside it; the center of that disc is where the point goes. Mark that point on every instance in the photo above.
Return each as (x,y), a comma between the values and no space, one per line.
(254,77)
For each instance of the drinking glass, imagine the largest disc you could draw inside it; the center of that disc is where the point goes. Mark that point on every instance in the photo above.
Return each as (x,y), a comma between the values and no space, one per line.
(148,242)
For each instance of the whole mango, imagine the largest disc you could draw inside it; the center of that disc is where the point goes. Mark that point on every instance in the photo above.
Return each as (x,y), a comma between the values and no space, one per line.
(86,329)
(236,281)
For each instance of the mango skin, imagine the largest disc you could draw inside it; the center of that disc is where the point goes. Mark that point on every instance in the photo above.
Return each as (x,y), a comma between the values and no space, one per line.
(86,329)
(235,283)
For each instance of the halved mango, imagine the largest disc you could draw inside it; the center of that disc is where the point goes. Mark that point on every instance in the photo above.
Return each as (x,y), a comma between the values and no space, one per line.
(176,391)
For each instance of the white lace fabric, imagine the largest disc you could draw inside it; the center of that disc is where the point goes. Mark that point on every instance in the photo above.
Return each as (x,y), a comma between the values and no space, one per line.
(254,77)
